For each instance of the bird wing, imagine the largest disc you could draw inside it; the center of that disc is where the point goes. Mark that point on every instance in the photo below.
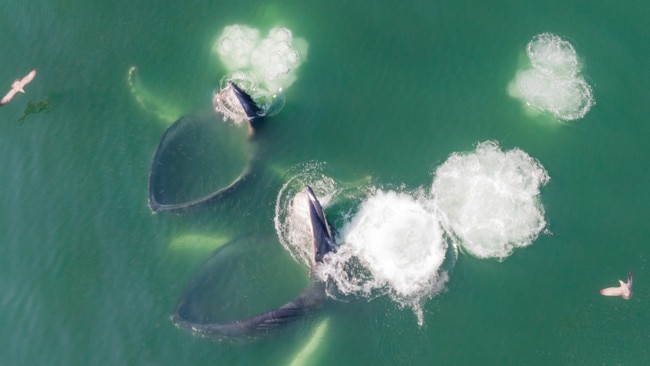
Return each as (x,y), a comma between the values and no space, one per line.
(629,280)
(613,291)
(8,97)
(28,78)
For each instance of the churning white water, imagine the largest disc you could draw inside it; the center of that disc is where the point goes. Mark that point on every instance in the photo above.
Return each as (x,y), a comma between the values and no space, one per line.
(553,84)
(489,200)
(396,242)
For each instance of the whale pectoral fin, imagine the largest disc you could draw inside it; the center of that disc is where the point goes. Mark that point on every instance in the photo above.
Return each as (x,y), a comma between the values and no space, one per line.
(162,109)
(612,291)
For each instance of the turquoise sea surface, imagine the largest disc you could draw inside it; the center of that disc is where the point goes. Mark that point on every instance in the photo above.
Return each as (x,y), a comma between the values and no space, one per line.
(384,96)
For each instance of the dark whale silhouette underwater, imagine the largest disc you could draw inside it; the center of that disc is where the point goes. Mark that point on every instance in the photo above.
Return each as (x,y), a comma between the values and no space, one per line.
(304,304)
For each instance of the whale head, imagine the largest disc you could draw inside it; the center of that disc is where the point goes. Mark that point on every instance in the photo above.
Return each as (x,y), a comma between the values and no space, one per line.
(251,109)
(323,239)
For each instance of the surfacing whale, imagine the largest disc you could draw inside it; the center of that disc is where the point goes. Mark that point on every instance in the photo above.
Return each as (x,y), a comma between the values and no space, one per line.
(251,109)
(307,302)
(624,289)
(168,188)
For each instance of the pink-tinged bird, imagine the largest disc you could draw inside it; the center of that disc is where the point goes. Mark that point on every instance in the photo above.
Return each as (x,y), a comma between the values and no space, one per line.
(624,290)
(17,86)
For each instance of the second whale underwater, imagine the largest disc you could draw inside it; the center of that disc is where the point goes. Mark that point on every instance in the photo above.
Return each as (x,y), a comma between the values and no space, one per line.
(308,301)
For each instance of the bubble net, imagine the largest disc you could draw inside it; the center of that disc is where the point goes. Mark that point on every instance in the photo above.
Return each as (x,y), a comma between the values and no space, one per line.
(489,200)
(397,242)
(553,84)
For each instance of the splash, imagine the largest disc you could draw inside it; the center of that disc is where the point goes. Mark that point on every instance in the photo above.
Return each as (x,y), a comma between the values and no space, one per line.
(553,84)
(393,245)
(264,68)
(489,200)
(398,245)
(235,46)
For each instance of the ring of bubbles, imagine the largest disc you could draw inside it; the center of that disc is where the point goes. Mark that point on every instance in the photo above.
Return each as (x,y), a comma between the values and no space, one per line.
(553,84)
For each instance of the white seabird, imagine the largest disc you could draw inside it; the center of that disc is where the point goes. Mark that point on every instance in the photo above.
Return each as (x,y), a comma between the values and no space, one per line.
(624,290)
(17,86)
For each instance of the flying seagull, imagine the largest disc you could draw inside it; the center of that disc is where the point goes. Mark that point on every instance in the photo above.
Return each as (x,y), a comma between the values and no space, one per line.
(17,86)
(624,290)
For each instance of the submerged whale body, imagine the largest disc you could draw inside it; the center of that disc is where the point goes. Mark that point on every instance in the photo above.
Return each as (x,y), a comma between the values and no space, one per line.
(308,301)
(197,160)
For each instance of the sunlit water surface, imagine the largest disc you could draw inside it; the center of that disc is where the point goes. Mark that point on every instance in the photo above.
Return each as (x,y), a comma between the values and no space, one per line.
(484,168)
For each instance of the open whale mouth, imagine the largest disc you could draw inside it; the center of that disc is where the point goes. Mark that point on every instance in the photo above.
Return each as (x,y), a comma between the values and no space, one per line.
(304,304)
(198,160)
(233,102)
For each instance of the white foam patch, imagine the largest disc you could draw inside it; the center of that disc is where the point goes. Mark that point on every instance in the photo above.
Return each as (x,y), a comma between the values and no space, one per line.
(394,245)
(553,56)
(236,44)
(273,60)
(276,59)
(489,200)
(554,84)
(225,101)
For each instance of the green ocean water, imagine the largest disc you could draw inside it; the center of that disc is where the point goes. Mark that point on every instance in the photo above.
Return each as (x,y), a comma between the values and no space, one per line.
(89,276)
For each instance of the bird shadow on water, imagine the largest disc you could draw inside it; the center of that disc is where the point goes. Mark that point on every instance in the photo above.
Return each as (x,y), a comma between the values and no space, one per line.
(34,108)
